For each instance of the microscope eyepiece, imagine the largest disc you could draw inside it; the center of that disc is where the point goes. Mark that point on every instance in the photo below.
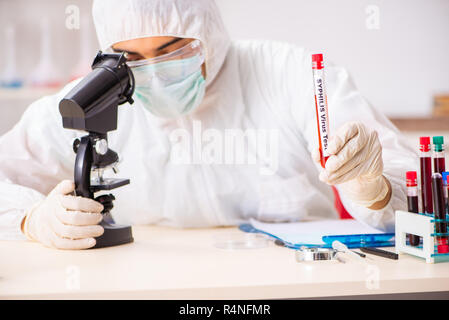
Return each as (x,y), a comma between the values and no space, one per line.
(92,104)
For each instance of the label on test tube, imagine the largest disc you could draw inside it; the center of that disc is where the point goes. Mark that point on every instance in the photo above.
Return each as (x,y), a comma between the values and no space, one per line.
(322,117)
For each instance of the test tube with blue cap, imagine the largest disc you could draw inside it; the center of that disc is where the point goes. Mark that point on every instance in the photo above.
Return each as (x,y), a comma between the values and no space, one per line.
(439,213)
(445,175)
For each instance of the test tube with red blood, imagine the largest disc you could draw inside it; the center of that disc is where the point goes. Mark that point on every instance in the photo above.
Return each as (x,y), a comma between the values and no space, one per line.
(426,174)
(322,118)
(412,201)
(439,213)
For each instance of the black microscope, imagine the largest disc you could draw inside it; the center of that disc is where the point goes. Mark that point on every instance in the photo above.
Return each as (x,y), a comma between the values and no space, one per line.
(92,106)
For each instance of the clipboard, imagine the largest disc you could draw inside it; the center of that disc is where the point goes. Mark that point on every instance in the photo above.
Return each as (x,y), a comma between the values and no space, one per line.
(278,231)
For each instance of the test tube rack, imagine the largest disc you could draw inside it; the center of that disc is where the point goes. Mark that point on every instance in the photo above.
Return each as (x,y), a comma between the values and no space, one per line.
(422,225)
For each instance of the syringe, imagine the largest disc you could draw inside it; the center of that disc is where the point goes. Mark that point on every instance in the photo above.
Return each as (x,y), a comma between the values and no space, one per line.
(322,118)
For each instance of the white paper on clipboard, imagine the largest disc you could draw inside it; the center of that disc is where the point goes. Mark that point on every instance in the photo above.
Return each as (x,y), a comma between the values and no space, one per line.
(312,232)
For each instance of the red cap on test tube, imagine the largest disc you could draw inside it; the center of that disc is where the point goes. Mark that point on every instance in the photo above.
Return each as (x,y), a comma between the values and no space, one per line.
(411,179)
(443,247)
(317,61)
(424,144)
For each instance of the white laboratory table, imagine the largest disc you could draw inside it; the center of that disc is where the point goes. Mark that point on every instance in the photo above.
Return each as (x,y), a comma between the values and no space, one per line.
(166,263)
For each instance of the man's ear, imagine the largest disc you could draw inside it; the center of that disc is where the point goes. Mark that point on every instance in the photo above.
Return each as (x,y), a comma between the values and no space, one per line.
(203,70)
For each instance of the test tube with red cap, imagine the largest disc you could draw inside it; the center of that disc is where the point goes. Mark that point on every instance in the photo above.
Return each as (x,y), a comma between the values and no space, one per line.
(439,213)
(426,174)
(412,201)
(322,118)
(439,161)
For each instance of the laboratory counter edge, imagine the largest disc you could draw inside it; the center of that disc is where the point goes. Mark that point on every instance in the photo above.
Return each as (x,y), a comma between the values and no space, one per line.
(171,263)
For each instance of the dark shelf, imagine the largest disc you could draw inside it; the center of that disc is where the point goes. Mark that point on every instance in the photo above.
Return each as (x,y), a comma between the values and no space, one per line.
(422,124)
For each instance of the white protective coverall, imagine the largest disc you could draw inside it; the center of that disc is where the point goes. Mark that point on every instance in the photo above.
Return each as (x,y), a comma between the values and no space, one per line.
(259,87)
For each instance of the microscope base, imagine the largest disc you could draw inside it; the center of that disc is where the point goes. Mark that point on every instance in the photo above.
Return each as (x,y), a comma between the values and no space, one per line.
(114,235)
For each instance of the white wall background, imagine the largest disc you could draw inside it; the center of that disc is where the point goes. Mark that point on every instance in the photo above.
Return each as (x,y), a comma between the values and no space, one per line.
(26,15)
(398,67)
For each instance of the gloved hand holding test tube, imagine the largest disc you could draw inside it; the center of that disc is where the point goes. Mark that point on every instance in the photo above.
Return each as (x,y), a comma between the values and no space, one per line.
(354,152)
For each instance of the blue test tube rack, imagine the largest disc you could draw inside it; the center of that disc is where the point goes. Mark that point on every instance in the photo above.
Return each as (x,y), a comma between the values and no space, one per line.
(422,225)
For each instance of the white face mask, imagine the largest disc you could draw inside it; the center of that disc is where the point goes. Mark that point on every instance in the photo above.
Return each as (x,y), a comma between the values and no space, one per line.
(172,88)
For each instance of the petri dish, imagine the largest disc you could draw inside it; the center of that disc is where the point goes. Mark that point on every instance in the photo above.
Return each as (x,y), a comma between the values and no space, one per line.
(241,240)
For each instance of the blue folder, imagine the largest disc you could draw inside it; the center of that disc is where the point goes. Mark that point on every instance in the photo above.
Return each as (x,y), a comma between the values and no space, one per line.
(351,241)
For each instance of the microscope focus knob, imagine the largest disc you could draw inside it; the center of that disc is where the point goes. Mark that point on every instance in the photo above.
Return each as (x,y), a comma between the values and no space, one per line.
(106,201)
(76,144)
(101,146)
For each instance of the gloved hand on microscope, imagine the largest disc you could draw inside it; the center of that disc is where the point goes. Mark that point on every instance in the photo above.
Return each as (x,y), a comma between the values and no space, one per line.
(64,221)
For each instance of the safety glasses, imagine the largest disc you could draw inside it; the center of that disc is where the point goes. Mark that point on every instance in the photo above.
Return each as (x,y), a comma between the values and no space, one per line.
(190,50)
